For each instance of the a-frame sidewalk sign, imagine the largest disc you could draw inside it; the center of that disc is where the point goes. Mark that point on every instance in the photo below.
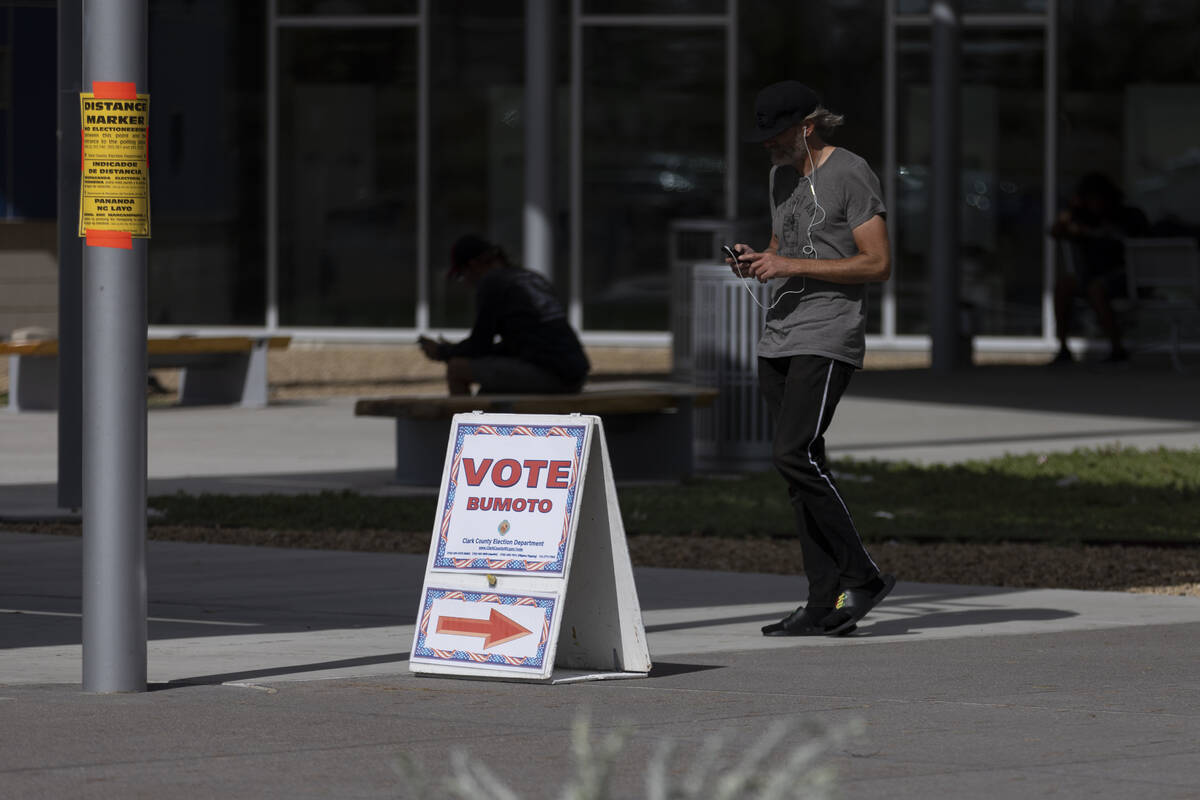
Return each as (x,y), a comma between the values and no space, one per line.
(529,576)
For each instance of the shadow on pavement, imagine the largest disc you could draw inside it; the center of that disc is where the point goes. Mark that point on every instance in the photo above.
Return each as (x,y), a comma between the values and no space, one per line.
(959,619)
(893,627)
(667,669)
(661,669)
(713,622)
(272,672)
(229,590)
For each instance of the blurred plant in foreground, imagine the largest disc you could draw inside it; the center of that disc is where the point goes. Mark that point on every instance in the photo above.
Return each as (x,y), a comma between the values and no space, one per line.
(775,767)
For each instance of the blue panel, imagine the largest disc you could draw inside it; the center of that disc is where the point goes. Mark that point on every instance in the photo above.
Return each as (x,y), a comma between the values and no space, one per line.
(34,95)
(4,166)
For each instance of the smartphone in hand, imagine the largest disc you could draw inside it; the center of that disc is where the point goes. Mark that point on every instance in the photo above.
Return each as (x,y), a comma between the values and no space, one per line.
(729,251)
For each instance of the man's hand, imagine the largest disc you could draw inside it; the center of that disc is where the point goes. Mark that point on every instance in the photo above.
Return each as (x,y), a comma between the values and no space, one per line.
(768,265)
(431,347)
(738,268)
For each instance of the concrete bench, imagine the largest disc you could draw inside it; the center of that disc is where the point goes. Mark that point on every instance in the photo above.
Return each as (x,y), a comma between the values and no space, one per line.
(648,425)
(216,370)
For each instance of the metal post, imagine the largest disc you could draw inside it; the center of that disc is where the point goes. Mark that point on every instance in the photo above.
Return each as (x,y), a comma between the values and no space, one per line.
(539,137)
(1050,170)
(424,148)
(890,157)
(70,276)
(575,304)
(732,137)
(114,416)
(945,144)
(272,199)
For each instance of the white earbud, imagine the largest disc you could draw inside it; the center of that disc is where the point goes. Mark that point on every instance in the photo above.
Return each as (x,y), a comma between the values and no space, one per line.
(809,249)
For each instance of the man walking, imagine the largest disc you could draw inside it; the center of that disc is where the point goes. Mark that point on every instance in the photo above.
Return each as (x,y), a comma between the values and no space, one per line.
(828,241)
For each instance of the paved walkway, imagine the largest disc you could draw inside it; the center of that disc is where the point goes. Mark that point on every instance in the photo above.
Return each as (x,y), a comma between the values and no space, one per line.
(310,445)
(283,673)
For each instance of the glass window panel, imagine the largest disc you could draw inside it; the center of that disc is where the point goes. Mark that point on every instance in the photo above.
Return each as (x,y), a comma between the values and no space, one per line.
(347,185)
(1130,105)
(978,6)
(28,145)
(1001,208)
(477,159)
(653,151)
(347,7)
(207,163)
(654,6)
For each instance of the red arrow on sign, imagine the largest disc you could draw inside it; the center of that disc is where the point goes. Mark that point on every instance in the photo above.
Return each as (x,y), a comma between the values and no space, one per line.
(496,629)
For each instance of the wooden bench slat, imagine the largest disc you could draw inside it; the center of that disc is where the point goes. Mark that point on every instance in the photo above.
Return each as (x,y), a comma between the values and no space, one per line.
(159,346)
(211,344)
(643,443)
(44,348)
(627,399)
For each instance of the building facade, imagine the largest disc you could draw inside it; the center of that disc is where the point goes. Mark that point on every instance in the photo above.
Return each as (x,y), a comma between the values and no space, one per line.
(312,160)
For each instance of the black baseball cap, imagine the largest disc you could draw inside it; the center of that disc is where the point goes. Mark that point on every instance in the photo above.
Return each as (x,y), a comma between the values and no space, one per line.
(779,107)
(465,250)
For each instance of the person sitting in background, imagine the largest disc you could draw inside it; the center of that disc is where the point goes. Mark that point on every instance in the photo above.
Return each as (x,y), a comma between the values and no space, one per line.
(520,342)
(1094,227)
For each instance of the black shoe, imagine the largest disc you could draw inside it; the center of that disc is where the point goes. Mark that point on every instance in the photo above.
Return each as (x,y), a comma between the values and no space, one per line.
(798,623)
(853,605)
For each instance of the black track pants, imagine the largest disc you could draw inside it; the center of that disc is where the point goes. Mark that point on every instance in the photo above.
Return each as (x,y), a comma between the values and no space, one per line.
(802,393)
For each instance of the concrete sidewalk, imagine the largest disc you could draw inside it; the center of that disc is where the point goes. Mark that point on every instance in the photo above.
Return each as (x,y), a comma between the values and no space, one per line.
(283,673)
(311,445)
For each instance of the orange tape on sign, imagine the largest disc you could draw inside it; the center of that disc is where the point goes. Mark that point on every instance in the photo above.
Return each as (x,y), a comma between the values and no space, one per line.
(119,239)
(114,90)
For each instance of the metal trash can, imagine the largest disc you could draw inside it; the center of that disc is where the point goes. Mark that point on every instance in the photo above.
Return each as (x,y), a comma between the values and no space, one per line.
(693,241)
(734,434)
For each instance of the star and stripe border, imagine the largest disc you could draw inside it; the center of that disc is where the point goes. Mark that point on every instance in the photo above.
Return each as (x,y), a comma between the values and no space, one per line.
(535,662)
(553,567)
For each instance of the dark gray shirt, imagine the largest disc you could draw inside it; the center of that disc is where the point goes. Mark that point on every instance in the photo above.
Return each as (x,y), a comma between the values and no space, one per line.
(815,217)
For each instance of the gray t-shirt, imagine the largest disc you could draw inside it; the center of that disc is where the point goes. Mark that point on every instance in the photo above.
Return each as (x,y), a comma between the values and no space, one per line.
(813,317)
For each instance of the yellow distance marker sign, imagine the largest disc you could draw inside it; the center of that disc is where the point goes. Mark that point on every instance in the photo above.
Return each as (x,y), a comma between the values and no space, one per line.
(114,188)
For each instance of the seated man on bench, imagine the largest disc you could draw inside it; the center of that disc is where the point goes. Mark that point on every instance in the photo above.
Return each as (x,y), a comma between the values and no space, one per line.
(537,351)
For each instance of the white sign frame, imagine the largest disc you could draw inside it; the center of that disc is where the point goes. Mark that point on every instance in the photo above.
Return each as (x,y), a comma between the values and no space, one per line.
(599,634)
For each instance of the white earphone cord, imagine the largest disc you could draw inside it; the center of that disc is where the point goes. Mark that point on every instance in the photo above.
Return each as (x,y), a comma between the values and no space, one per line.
(809,249)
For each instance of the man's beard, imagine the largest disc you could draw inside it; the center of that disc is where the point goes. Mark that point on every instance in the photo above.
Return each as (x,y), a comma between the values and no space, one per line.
(783,154)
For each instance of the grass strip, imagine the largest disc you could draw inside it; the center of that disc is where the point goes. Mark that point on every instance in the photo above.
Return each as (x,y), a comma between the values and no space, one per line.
(1106,495)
